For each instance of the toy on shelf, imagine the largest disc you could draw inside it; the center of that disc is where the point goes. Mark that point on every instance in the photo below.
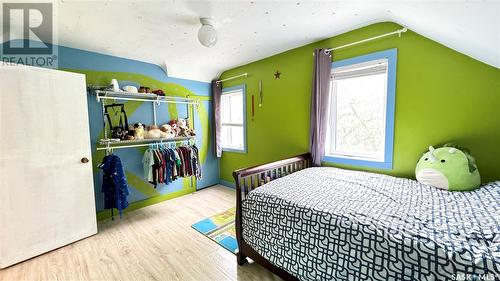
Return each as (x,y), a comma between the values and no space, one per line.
(185,131)
(166,128)
(143,89)
(130,89)
(175,127)
(159,92)
(139,131)
(166,131)
(154,132)
(130,133)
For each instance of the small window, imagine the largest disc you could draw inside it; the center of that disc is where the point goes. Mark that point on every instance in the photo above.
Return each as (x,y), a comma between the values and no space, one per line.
(233,114)
(361,115)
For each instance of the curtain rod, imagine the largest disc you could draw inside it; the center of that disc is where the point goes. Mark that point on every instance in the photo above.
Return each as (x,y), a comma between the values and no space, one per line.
(398,32)
(232,77)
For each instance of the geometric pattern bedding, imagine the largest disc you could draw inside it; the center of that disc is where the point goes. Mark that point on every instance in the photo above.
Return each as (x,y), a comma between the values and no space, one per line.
(334,224)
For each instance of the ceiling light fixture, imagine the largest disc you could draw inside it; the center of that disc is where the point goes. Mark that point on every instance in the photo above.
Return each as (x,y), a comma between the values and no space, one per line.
(207,35)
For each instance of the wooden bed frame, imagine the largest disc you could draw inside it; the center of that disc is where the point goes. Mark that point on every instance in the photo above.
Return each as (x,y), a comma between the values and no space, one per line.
(248,179)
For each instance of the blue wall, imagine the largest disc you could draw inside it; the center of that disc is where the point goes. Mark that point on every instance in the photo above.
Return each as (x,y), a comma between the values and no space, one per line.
(102,67)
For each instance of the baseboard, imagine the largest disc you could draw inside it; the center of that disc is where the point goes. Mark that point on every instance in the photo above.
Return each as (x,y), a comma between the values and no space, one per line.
(227,183)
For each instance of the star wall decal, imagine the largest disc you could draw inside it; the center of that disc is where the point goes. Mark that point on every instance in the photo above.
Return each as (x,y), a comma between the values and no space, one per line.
(277,74)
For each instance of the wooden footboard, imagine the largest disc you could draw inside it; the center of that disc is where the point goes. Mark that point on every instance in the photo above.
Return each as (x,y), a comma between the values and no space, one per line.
(248,179)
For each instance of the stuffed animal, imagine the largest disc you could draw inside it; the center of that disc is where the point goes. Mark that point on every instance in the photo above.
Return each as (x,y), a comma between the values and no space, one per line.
(181,122)
(130,133)
(185,131)
(166,128)
(153,132)
(156,131)
(175,127)
(448,167)
(139,131)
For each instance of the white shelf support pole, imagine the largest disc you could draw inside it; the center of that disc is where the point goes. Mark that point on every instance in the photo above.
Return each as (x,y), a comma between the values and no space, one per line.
(104,120)
(154,113)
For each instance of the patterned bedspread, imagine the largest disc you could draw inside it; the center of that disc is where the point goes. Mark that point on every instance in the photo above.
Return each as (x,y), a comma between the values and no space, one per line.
(334,224)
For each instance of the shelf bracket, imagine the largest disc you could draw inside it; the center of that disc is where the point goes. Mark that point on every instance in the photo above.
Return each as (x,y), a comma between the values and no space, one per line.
(97,97)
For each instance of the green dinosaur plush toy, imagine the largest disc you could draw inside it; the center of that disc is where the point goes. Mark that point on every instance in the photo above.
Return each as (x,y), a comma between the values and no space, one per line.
(448,167)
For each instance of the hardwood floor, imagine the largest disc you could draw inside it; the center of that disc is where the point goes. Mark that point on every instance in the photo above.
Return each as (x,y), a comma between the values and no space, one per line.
(152,243)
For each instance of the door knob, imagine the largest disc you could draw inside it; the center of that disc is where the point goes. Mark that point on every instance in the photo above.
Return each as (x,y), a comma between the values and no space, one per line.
(84,160)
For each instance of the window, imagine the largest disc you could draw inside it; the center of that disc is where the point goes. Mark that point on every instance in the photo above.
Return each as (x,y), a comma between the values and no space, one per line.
(233,114)
(361,116)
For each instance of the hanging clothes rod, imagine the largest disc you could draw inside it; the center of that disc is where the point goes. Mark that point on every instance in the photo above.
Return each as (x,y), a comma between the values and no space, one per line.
(232,77)
(398,32)
(116,145)
(122,146)
(133,145)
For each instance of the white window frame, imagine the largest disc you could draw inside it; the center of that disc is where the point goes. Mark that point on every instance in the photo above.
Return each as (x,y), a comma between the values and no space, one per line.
(384,160)
(228,91)
(330,149)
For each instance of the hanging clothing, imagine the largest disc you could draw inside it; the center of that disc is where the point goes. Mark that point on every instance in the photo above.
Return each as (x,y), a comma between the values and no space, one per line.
(147,162)
(168,165)
(114,184)
(196,162)
(165,165)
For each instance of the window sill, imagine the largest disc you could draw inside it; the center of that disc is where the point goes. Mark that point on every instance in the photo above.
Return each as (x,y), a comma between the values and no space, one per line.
(235,150)
(357,162)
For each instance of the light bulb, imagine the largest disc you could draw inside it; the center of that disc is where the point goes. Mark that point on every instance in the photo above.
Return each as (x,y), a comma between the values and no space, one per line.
(207,35)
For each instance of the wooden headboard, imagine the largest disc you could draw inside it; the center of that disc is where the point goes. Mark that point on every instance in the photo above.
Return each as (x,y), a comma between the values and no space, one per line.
(247,179)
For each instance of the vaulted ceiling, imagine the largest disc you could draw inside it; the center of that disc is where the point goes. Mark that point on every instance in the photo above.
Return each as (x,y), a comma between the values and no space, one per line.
(164,32)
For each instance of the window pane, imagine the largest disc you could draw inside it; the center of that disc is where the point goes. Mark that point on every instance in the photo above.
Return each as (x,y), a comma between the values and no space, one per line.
(233,137)
(233,116)
(225,136)
(237,108)
(237,137)
(232,108)
(225,109)
(358,125)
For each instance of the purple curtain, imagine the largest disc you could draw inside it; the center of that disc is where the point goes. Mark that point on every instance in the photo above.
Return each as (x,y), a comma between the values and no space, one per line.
(319,104)
(217,123)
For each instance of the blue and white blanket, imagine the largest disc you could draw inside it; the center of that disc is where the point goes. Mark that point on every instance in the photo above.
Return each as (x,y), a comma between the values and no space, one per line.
(334,224)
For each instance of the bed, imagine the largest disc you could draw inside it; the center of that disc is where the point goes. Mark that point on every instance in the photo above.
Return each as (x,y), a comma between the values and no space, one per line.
(320,223)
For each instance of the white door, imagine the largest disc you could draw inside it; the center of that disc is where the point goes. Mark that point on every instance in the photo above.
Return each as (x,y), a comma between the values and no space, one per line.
(46,187)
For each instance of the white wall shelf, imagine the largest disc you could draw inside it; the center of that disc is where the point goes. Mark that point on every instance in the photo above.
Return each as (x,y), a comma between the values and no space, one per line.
(143,97)
(103,95)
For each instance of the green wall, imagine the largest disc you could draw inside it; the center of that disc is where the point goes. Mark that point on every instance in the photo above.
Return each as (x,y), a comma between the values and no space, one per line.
(441,96)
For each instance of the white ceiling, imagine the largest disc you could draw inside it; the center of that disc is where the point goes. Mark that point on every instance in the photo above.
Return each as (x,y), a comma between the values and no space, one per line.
(165,32)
